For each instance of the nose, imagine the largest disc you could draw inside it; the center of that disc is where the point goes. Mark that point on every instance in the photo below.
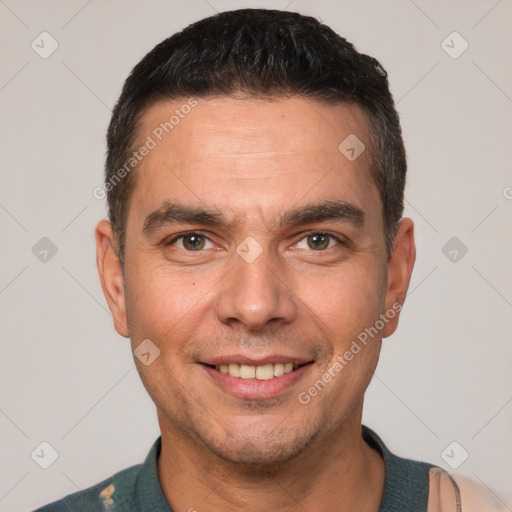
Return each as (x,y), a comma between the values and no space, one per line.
(255,294)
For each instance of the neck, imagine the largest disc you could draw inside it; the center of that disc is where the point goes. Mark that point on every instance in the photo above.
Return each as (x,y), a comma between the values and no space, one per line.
(338,469)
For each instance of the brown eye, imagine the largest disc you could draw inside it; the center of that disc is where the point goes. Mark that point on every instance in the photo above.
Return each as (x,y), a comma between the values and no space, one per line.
(191,242)
(318,241)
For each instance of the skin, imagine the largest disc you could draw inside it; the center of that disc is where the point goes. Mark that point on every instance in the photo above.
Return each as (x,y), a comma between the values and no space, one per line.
(254,159)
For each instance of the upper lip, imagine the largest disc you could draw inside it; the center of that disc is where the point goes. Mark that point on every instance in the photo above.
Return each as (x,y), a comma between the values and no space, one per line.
(250,361)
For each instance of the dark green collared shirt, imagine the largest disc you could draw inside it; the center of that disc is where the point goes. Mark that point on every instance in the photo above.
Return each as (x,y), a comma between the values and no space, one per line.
(137,489)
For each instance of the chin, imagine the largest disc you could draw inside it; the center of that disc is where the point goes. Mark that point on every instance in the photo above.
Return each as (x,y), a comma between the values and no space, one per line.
(264,451)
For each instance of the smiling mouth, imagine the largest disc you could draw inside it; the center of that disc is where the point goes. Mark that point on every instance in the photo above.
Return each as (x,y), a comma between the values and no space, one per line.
(263,372)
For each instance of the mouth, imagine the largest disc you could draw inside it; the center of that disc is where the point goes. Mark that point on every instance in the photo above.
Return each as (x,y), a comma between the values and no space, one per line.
(262,380)
(262,372)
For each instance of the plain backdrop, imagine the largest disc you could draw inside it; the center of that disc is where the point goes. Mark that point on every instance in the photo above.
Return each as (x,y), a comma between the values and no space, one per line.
(69,380)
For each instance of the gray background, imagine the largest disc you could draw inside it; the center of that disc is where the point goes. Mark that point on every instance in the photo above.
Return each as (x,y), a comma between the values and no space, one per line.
(68,379)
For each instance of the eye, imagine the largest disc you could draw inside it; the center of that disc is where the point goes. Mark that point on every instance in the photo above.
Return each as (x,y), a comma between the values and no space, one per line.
(190,242)
(318,241)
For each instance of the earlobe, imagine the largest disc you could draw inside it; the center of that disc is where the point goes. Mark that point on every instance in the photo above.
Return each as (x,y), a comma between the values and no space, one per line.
(111,275)
(400,268)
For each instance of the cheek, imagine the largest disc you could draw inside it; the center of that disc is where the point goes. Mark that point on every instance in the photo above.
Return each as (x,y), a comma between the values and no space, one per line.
(168,309)
(161,304)
(345,302)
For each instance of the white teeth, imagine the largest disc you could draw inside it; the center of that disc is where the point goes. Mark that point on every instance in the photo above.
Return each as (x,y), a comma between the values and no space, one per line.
(247,372)
(278,369)
(234,370)
(263,372)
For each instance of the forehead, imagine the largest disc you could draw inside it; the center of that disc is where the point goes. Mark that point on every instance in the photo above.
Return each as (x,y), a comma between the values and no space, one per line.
(252,154)
(225,125)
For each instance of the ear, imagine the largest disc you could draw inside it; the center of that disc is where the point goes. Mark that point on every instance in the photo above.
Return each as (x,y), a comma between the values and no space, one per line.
(111,275)
(400,268)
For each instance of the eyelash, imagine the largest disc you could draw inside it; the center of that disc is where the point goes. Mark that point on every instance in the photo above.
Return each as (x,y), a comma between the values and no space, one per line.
(305,235)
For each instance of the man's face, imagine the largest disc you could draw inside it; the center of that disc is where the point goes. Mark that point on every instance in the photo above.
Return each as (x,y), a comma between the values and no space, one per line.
(263,281)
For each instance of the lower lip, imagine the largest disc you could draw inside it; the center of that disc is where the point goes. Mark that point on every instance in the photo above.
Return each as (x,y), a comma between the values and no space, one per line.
(254,388)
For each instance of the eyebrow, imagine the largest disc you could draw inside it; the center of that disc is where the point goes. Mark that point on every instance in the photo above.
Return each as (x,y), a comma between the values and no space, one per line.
(175,213)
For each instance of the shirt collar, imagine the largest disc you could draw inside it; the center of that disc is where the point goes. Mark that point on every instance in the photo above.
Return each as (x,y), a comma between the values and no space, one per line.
(406,484)
(150,495)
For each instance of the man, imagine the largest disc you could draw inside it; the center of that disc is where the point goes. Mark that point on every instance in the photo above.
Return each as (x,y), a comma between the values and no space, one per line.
(256,256)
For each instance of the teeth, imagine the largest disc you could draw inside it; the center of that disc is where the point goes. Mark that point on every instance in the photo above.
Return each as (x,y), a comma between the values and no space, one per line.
(247,372)
(263,372)
(278,369)
(234,370)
